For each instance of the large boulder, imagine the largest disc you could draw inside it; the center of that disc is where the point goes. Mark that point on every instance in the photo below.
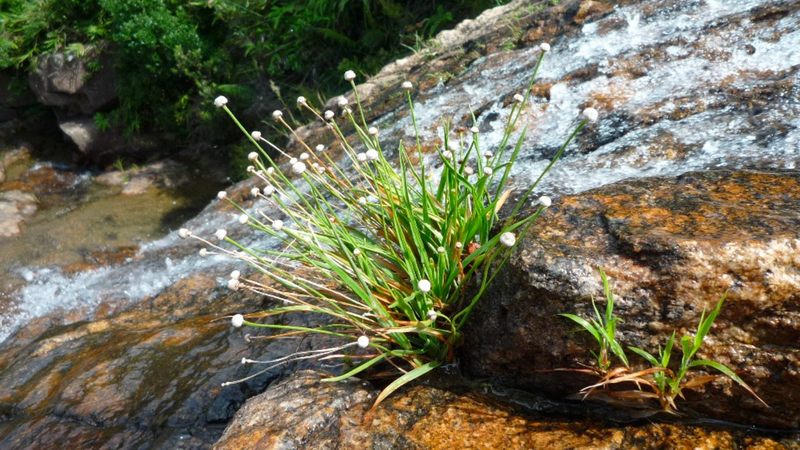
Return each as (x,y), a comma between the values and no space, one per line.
(671,248)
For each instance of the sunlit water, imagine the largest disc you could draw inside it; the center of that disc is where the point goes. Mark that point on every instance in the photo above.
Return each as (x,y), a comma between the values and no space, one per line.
(694,53)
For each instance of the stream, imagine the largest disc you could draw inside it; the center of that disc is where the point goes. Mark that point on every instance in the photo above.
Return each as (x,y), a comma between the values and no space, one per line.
(680,86)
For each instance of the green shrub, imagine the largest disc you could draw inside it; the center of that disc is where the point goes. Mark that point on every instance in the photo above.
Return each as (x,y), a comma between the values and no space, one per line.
(172,54)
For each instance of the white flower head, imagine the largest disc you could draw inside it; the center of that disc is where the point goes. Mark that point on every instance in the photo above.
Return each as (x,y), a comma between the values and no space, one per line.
(220,101)
(545,47)
(518,98)
(424,286)
(277,114)
(372,154)
(298,168)
(349,75)
(256,135)
(329,115)
(447,154)
(459,245)
(203,253)
(356,252)
(221,195)
(487,154)
(591,114)
(254,192)
(277,225)
(362,201)
(545,201)
(220,234)
(243,219)
(251,169)
(487,171)
(431,315)
(508,239)
(342,102)
(270,170)
(468,170)
(474,130)
(235,275)
(346,111)
(373,131)
(361,157)
(440,249)
(303,156)
(301,100)
(184,233)
(407,85)
(363,341)
(237,320)
(320,148)
(252,156)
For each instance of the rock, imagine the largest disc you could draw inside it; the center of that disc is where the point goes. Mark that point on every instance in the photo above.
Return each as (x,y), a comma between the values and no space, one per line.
(304,412)
(671,248)
(15,207)
(298,412)
(82,131)
(65,80)
(129,378)
(165,174)
(143,377)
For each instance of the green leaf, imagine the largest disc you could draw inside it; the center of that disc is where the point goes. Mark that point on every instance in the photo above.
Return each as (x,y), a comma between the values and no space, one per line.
(586,325)
(358,369)
(406,378)
(705,324)
(650,358)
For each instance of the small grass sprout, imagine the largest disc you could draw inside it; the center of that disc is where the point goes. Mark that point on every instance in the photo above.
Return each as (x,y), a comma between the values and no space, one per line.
(658,382)
(604,329)
(385,250)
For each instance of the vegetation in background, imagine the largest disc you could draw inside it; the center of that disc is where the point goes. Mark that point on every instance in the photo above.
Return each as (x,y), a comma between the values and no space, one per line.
(658,382)
(171,54)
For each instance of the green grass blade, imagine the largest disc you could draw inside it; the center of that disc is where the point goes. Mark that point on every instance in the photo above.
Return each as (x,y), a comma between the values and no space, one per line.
(406,378)
(585,324)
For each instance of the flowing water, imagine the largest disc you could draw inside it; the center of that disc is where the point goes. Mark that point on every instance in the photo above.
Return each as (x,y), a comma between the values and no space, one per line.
(680,86)
(79,224)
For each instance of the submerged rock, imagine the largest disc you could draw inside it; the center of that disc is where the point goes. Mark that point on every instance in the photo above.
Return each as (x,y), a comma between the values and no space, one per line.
(671,248)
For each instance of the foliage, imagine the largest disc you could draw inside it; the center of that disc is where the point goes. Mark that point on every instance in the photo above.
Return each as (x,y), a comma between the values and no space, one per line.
(386,252)
(603,329)
(170,54)
(665,384)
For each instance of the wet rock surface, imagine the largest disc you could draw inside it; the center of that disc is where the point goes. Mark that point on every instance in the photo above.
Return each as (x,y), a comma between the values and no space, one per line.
(671,247)
(124,349)
(304,412)
(147,377)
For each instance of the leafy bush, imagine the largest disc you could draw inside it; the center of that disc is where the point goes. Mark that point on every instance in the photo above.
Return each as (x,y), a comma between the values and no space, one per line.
(172,54)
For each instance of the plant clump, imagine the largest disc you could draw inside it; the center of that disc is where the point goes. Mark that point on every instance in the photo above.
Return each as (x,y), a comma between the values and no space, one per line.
(657,382)
(388,249)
